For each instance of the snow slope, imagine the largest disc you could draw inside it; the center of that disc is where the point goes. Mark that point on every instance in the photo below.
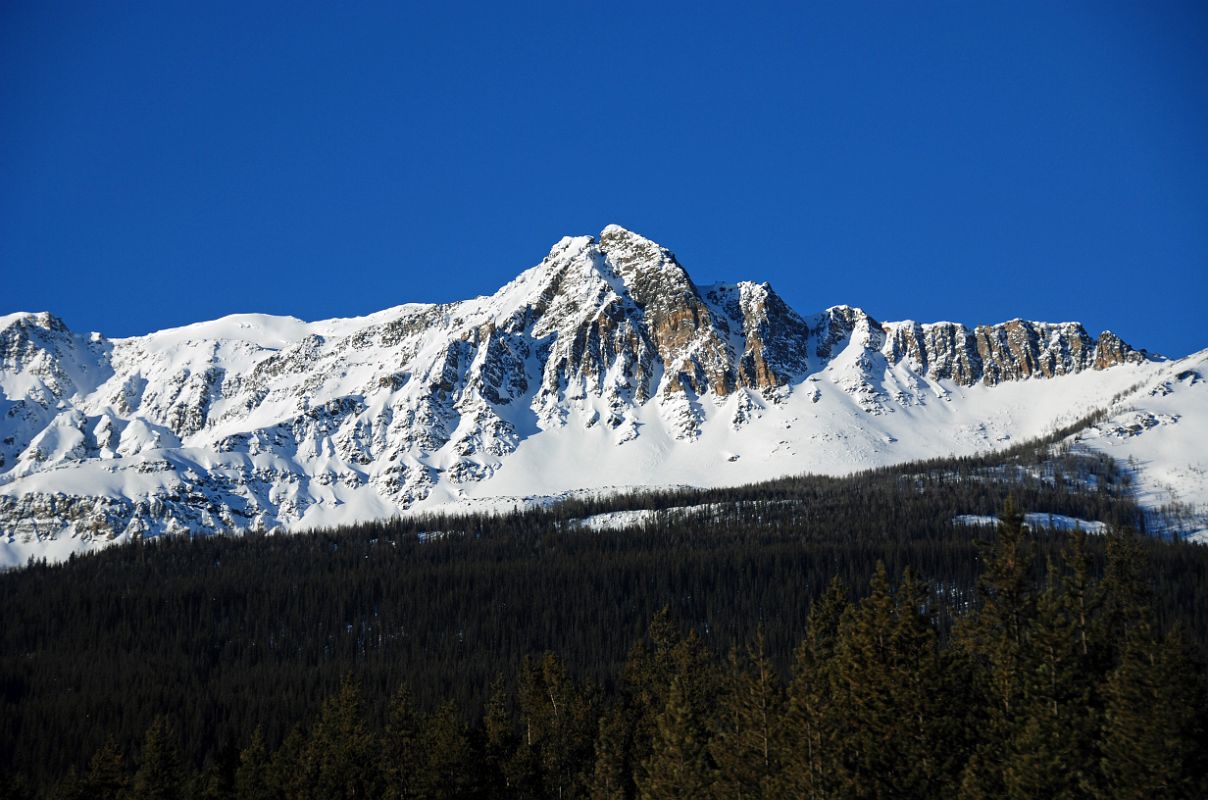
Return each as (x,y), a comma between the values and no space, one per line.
(603,366)
(1161,432)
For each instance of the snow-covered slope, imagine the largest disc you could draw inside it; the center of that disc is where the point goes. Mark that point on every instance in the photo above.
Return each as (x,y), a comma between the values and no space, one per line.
(1161,432)
(604,365)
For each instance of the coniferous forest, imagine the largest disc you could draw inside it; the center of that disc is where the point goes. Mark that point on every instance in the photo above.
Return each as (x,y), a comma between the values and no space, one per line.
(808,637)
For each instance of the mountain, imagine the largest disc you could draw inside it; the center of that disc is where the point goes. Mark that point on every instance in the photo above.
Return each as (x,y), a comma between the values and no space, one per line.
(605,365)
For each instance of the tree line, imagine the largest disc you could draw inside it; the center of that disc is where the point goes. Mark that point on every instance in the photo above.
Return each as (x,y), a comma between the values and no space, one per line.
(1056,682)
(233,634)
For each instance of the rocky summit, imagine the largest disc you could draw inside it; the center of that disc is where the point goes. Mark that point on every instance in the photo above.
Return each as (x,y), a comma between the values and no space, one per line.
(604,365)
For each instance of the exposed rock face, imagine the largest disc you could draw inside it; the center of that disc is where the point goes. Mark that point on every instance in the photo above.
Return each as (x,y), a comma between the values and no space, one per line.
(1111,350)
(1009,351)
(678,321)
(943,351)
(773,339)
(255,421)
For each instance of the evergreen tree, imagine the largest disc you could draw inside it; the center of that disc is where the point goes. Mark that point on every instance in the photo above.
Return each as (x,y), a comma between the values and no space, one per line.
(340,753)
(888,676)
(559,724)
(15,787)
(402,750)
(1052,749)
(1083,598)
(1126,593)
(806,738)
(1152,736)
(71,787)
(107,776)
(448,770)
(742,746)
(217,780)
(647,677)
(1085,695)
(997,640)
(160,774)
(252,778)
(678,767)
(923,733)
(291,773)
(500,739)
(648,673)
(612,776)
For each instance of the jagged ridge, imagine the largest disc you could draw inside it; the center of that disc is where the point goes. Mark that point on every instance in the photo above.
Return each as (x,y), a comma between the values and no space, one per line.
(256,421)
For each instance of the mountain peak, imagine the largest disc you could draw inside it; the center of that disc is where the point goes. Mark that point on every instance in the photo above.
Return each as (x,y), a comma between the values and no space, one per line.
(613,229)
(253,421)
(40,319)
(650,270)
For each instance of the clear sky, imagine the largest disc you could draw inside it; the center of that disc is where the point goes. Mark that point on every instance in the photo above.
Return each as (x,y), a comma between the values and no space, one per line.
(163,163)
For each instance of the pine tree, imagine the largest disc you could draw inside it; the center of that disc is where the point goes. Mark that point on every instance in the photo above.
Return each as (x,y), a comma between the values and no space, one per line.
(1083,598)
(558,723)
(997,641)
(1052,747)
(888,678)
(806,738)
(291,772)
(500,739)
(401,749)
(160,775)
(1008,606)
(14,786)
(647,676)
(340,752)
(252,779)
(918,690)
(678,767)
(612,776)
(1152,731)
(449,771)
(1126,593)
(107,776)
(742,745)
(217,780)
(71,787)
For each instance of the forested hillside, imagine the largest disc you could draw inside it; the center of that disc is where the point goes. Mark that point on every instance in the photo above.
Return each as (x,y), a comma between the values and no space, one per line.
(531,655)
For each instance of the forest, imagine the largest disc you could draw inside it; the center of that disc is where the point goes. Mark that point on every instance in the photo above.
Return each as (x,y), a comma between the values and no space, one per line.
(808,637)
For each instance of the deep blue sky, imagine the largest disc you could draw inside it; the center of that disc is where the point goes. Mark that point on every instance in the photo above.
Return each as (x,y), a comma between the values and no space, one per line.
(163,163)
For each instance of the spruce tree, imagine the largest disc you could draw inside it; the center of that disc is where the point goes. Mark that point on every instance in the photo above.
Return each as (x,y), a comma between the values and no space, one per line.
(291,773)
(401,749)
(14,786)
(216,781)
(449,770)
(70,787)
(646,678)
(500,739)
(107,776)
(806,737)
(252,778)
(1125,589)
(888,678)
(340,752)
(612,775)
(1152,732)
(918,687)
(678,767)
(742,745)
(160,774)
(1051,751)
(559,723)
(997,641)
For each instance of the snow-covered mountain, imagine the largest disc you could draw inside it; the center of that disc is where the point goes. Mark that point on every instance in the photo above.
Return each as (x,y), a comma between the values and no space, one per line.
(604,365)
